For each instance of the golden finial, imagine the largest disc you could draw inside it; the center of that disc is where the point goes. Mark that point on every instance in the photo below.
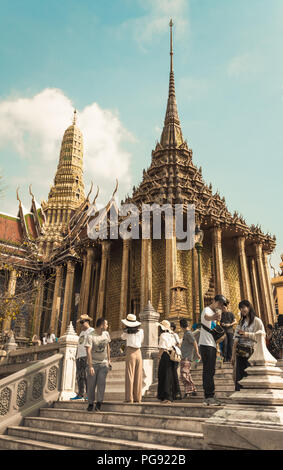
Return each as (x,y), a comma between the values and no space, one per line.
(75,118)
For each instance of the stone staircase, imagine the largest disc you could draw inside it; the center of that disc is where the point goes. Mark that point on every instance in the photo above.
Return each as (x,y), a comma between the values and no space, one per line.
(118,426)
(223,379)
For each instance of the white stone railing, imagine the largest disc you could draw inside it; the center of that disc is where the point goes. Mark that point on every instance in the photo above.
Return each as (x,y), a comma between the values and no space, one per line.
(31,388)
(40,383)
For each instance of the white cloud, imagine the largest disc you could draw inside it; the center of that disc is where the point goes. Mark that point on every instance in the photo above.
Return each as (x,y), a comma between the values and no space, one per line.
(34,128)
(156,20)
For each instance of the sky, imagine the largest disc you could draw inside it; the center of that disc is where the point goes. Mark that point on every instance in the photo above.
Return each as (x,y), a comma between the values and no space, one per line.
(110,61)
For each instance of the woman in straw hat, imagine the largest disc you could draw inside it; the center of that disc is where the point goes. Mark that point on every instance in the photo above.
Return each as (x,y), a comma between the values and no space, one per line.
(167,384)
(134,337)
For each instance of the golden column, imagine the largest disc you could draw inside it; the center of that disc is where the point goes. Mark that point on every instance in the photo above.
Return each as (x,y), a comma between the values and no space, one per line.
(268,285)
(85,292)
(254,286)
(265,307)
(146,273)
(171,268)
(68,296)
(56,300)
(246,287)
(124,279)
(94,293)
(10,292)
(106,245)
(38,308)
(218,260)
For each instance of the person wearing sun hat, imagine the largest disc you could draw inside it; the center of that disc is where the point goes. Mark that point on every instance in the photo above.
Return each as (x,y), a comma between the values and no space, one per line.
(167,386)
(81,357)
(134,337)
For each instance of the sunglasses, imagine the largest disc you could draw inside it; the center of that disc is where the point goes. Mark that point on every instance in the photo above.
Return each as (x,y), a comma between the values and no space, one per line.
(82,322)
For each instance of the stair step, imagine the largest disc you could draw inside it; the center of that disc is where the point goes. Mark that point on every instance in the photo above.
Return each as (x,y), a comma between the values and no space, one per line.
(178,423)
(185,439)
(147,408)
(83,441)
(11,443)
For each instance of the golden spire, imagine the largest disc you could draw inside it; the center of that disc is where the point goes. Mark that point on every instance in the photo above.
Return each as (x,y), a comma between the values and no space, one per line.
(172,133)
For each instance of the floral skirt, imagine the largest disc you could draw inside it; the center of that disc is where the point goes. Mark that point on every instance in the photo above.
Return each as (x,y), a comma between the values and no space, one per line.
(185,376)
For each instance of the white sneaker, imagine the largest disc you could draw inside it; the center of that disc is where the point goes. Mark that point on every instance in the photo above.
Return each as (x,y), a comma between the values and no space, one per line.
(212,401)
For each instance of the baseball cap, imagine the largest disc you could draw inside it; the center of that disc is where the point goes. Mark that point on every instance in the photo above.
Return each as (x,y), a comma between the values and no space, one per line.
(221,298)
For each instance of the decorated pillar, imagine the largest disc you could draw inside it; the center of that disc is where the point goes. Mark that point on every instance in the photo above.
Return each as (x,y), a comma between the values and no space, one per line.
(146,273)
(195,285)
(94,293)
(10,293)
(85,291)
(125,279)
(246,287)
(56,299)
(106,245)
(38,308)
(255,293)
(68,296)
(218,260)
(171,269)
(272,316)
(265,306)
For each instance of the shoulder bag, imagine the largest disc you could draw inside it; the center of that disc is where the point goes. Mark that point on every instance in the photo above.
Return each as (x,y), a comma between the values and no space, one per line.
(217,333)
(175,354)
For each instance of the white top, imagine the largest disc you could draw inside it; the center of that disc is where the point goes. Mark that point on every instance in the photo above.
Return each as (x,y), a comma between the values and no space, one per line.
(206,338)
(166,341)
(134,340)
(251,330)
(81,350)
(177,338)
(49,339)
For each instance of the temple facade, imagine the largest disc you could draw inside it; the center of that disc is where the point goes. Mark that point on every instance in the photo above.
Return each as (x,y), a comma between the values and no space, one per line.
(72,274)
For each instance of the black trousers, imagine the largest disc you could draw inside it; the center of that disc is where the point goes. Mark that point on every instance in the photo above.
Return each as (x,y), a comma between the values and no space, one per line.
(208,357)
(228,346)
(81,374)
(241,365)
(168,383)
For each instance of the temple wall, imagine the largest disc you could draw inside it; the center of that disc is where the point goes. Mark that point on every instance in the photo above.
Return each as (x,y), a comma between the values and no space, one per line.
(158,276)
(113,289)
(231,275)
(184,260)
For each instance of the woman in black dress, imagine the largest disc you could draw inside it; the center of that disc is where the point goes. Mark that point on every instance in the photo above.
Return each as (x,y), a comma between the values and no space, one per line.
(167,384)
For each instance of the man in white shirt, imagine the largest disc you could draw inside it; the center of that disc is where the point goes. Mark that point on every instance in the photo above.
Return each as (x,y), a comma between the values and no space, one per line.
(207,347)
(81,357)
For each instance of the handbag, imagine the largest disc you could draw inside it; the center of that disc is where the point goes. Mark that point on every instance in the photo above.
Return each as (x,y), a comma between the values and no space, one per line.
(244,351)
(175,354)
(217,333)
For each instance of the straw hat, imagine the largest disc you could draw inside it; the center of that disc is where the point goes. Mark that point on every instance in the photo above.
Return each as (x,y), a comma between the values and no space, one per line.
(85,318)
(165,325)
(131,321)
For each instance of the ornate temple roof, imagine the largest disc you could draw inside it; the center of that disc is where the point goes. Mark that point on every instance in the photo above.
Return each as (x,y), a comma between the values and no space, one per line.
(172,178)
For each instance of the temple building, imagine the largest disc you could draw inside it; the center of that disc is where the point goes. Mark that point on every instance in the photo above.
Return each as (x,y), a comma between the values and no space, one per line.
(73,274)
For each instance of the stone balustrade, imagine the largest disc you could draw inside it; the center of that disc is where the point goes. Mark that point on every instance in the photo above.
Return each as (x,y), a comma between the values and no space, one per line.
(39,383)
(29,389)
